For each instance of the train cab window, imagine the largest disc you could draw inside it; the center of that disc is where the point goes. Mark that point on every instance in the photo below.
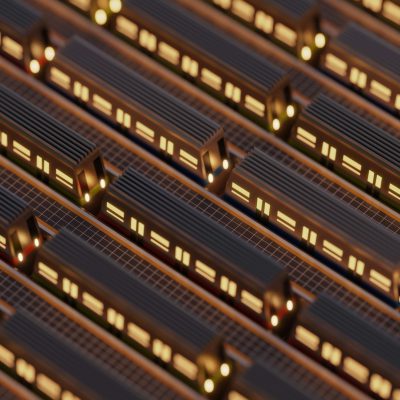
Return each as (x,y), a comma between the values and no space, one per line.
(147,40)
(48,273)
(168,53)
(263,207)
(355,369)
(25,370)
(6,357)
(380,386)
(356,265)
(306,137)
(167,145)
(243,10)
(48,386)
(380,91)
(307,338)
(186,367)
(138,334)
(182,256)
(137,227)
(380,280)
(328,151)
(394,191)
(373,5)
(336,64)
(159,241)
(232,92)
(391,11)
(309,236)
(228,286)
(115,212)
(254,105)
(21,150)
(4,139)
(190,66)
(285,34)
(92,303)
(161,350)
(115,318)
(264,22)
(81,91)
(126,27)
(351,165)
(358,77)
(70,288)
(13,48)
(3,242)
(331,353)
(42,165)
(123,118)
(374,179)
(205,271)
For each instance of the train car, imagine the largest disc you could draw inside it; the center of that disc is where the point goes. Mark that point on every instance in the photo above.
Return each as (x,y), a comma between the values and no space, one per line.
(139,108)
(357,350)
(261,382)
(292,24)
(53,368)
(19,231)
(140,314)
(210,58)
(49,149)
(367,63)
(387,10)
(356,148)
(325,226)
(200,248)
(23,36)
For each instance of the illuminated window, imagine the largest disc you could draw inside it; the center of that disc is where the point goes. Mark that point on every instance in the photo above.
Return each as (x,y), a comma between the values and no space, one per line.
(397,103)
(286,221)
(336,64)
(355,369)
(251,301)
(115,212)
(391,11)
(380,280)
(166,145)
(144,131)
(333,250)
(243,10)
(162,350)
(373,5)
(48,273)
(115,318)
(223,3)
(358,77)
(309,235)
(92,303)
(70,288)
(380,91)
(211,79)
(84,5)
(254,105)
(43,165)
(394,191)
(380,386)
(190,66)
(264,22)
(138,334)
(137,227)
(182,256)
(21,150)
(168,53)
(60,78)
(64,178)
(25,370)
(374,179)
(102,104)
(263,207)
(205,271)
(159,241)
(48,386)
(331,354)
(147,40)
(307,338)
(228,286)
(6,357)
(184,366)
(13,48)
(239,191)
(232,92)
(234,395)
(188,159)
(306,137)
(3,242)
(4,139)
(328,151)
(126,27)
(285,34)
(81,91)
(352,165)
(123,118)
(356,265)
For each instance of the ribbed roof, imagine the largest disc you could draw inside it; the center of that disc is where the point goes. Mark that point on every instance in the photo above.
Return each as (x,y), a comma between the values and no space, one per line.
(11,207)
(231,254)
(48,349)
(146,97)
(312,202)
(199,34)
(350,126)
(371,48)
(139,300)
(42,127)
(355,335)
(18,16)
(293,8)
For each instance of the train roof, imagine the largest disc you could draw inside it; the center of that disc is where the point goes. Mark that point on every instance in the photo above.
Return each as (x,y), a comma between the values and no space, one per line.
(262,382)
(234,256)
(19,16)
(46,348)
(339,120)
(355,335)
(185,27)
(153,101)
(308,198)
(296,10)
(11,207)
(137,298)
(42,127)
(374,50)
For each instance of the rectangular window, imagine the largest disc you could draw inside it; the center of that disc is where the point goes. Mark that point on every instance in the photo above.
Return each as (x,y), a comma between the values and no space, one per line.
(336,64)
(331,353)
(21,150)
(374,179)
(70,288)
(286,221)
(138,334)
(240,192)
(4,139)
(355,369)
(13,48)
(380,91)
(188,159)
(228,286)
(185,367)
(373,5)
(351,165)
(391,11)
(223,3)
(356,265)
(285,34)
(64,178)
(126,27)
(328,151)
(60,78)
(144,131)
(123,118)
(333,250)
(92,303)
(48,386)
(358,77)
(380,280)
(159,241)
(6,357)
(182,256)
(115,212)
(161,350)
(25,370)
(43,165)
(382,387)
(263,207)
(232,92)
(168,53)
(306,137)
(85,6)
(102,104)
(397,103)
(115,318)
(205,271)
(48,273)
(254,105)
(81,91)
(309,235)
(307,338)
(190,66)
(3,242)
(211,79)
(251,301)
(137,227)
(147,40)
(394,191)
(264,22)
(243,10)
(167,145)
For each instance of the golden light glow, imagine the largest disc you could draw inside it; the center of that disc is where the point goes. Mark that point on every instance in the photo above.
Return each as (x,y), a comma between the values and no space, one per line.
(289,305)
(225,369)
(274,320)
(208,386)
(102,183)
(225,164)
(20,257)
(49,53)
(34,66)
(36,242)
(87,197)
(210,178)
(100,17)
(306,53)
(276,124)
(115,6)
(320,40)
(290,110)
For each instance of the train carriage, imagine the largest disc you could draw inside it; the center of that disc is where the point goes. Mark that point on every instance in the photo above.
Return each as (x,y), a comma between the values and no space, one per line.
(292,24)
(210,58)
(23,35)
(19,231)
(49,149)
(147,319)
(367,63)
(341,340)
(53,368)
(325,226)
(200,248)
(144,111)
(361,151)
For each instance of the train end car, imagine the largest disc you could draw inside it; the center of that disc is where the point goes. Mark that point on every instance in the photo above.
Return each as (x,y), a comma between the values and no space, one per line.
(148,320)
(53,368)
(146,113)
(19,232)
(352,347)
(23,36)
(367,63)
(50,150)
(262,382)
(359,150)
(292,24)
(209,58)
(200,248)
(323,225)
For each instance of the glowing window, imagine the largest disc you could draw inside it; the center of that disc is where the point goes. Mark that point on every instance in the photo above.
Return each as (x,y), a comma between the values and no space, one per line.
(232,92)
(373,5)
(336,64)
(285,34)
(25,370)
(123,118)
(205,271)
(254,105)
(358,77)
(102,104)
(380,386)
(182,256)
(43,165)
(48,273)
(81,91)
(114,211)
(70,288)
(13,48)
(211,79)
(137,226)
(356,265)
(167,145)
(239,191)
(21,150)
(162,350)
(4,139)
(3,242)
(306,137)
(333,250)
(331,353)
(228,286)
(168,53)
(188,159)
(355,369)
(190,66)
(115,318)
(126,27)
(374,179)
(352,165)
(60,78)
(138,334)
(263,207)
(48,386)
(6,357)
(328,151)
(394,191)
(309,235)
(159,241)
(264,22)
(64,178)
(380,91)
(286,221)
(251,301)
(243,10)
(92,303)
(380,280)
(147,40)
(307,338)
(391,11)
(184,366)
